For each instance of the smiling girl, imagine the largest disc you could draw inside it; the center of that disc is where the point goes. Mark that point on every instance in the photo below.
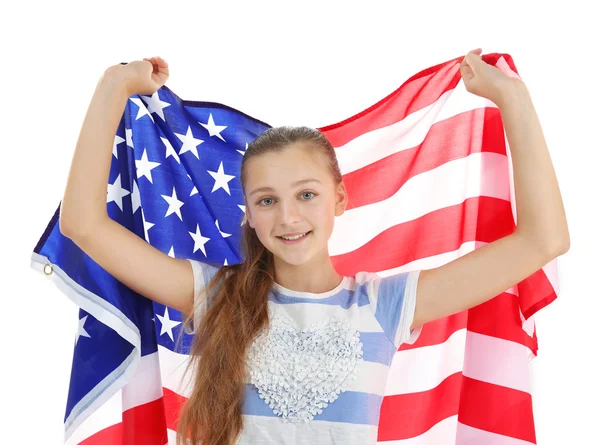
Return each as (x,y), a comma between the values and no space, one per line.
(287,350)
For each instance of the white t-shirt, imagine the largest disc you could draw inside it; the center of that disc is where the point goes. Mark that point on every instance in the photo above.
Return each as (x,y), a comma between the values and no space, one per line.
(318,374)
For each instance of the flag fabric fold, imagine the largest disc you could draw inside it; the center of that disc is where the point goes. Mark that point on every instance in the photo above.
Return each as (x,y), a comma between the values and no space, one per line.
(429,178)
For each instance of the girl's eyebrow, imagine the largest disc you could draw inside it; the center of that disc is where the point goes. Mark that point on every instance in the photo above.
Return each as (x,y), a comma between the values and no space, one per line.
(270,189)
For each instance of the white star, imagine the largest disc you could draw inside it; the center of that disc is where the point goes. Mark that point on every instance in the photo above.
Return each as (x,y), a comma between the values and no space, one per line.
(170,150)
(221,179)
(117,141)
(135,198)
(174,204)
(116,193)
(147,226)
(243,152)
(199,240)
(142,110)
(225,263)
(171,252)
(194,189)
(213,130)
(81,332)
(223,234)
(144,167)
(167,324)
(129,137)
(155,105)
(190,143)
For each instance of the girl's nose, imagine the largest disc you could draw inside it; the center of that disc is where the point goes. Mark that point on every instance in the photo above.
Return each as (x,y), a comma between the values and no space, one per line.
(289,213)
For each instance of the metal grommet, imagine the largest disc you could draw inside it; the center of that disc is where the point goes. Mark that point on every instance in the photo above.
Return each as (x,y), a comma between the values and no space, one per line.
(48,269)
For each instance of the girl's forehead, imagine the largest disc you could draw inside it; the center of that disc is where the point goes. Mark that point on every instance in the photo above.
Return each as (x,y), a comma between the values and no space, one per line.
(286,166)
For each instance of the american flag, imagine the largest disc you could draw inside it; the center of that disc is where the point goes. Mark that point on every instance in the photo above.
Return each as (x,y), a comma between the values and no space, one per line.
(429,178)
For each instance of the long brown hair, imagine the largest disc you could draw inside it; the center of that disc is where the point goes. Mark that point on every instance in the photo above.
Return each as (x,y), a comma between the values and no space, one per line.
(237,312)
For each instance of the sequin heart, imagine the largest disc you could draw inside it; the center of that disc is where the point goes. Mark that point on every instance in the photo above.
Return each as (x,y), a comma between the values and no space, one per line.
(299,372)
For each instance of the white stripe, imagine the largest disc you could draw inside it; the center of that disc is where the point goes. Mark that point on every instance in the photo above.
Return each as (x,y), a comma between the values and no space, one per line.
(442,433)
(362,318)
(488,358)
(370,378)
(479,174)
(467,435)
(422,369)
(477,356)
(172,369)
(408,133)
(145,385)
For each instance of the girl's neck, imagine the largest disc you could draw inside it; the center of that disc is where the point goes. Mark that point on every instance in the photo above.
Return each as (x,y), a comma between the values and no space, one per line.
(314,277)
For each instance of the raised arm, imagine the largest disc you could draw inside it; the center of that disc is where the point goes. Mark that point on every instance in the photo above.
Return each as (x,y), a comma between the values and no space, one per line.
(83,215)
(541,234)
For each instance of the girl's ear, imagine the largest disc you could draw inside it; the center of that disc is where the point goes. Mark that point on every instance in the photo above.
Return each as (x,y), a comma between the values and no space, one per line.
(341,199)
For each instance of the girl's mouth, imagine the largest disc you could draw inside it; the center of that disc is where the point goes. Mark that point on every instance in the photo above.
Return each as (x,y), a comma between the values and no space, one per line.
(295,241)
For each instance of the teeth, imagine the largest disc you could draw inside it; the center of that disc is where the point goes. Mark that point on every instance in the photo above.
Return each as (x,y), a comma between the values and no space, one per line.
(293,237)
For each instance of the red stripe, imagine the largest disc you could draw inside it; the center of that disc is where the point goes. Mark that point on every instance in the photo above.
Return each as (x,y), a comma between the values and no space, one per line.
(499,317)
(409,415)
(448,140)
(145,424)
(535,293)
(418,92)
(482,405)
(481,218)
(173,404)
(438,331)
(415,94)
(497,409)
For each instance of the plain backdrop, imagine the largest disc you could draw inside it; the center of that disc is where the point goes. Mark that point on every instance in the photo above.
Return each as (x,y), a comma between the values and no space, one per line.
(297,63)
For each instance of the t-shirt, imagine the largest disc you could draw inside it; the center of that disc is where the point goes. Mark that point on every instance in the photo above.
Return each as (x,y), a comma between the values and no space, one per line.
(317,375)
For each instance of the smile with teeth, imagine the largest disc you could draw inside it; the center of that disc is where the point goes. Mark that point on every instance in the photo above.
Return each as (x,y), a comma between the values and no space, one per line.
(292,238)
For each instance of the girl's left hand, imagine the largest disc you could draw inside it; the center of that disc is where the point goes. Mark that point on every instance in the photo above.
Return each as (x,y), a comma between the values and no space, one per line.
(483,79)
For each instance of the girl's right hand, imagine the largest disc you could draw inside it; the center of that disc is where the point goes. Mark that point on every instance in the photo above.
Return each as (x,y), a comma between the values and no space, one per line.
(144,76)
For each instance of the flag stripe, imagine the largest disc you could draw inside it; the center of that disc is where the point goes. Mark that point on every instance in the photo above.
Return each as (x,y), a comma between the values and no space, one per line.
(446,141)
(507,411)
(409,415)
(414,95)
(405,206)
(407,247)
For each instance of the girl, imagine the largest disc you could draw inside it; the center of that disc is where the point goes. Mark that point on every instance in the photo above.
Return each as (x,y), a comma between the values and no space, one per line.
(292,351)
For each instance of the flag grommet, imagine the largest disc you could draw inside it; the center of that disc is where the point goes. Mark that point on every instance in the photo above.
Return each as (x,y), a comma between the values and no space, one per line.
(48,269)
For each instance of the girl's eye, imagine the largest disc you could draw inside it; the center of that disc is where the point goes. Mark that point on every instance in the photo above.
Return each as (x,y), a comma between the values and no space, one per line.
(303,194)
(264,199)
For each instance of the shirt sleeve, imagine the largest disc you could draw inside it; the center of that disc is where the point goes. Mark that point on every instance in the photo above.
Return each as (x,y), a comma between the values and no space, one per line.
(203,273)
(394,300)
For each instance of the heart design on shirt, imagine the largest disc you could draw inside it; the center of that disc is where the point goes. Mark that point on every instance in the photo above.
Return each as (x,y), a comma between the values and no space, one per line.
(299,372)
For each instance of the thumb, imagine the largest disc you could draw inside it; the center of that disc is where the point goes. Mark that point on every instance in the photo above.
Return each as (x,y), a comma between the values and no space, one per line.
(473,59)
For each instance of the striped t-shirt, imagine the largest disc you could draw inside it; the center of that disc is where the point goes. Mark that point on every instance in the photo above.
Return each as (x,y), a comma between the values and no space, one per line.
(318,374)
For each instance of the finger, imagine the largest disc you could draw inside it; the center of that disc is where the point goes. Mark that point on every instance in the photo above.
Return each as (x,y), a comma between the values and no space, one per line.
(473,59)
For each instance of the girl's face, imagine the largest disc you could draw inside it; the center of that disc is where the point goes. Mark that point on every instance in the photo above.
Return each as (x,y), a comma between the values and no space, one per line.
(292,192)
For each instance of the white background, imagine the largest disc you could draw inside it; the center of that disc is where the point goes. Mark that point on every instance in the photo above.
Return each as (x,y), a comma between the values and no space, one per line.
(302,63)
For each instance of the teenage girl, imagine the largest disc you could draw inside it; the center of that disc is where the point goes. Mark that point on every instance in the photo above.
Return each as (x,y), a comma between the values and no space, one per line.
(291,351)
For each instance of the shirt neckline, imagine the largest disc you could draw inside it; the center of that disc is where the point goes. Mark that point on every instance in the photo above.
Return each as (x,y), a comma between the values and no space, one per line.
(298,294)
